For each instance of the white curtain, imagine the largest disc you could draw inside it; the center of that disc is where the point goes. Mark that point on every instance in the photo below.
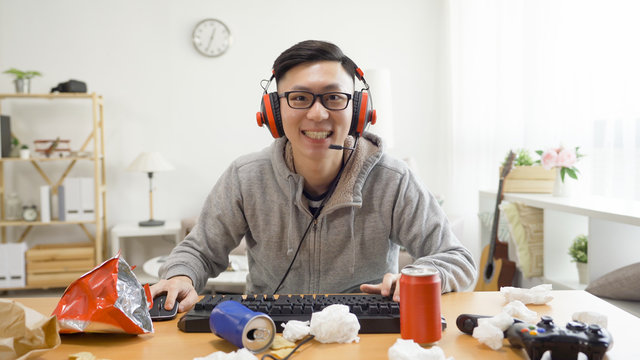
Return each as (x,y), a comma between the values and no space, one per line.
(537,74)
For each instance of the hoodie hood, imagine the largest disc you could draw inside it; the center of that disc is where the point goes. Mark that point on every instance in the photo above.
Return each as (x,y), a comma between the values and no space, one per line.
(348,192)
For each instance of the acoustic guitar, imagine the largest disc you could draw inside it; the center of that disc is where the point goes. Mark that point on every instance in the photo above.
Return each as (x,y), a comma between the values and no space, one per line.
(496,270)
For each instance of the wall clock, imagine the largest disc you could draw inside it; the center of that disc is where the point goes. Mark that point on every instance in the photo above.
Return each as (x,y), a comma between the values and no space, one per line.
(211,37)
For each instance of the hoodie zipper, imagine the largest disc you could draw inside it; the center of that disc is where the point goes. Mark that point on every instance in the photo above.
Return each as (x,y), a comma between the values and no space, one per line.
(316,259)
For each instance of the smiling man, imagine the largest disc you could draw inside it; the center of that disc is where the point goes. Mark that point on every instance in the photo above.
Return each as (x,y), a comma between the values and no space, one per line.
(317,219)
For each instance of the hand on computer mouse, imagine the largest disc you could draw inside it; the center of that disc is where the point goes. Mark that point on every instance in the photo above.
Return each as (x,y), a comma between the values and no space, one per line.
(178,288)
(388,287)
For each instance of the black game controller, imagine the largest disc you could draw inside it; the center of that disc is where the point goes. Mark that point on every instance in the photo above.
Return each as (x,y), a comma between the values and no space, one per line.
(563,342)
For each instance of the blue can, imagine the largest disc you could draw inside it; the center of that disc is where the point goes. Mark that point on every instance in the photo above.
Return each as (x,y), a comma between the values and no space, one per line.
(242,327)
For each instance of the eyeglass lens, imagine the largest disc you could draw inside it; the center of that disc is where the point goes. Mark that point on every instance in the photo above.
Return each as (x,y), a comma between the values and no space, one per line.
(305,99)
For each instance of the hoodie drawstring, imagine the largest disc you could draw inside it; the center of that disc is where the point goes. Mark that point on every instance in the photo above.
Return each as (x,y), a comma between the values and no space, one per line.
(292,213)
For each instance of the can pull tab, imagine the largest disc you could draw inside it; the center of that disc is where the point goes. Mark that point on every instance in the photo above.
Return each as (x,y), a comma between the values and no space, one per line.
(258,334)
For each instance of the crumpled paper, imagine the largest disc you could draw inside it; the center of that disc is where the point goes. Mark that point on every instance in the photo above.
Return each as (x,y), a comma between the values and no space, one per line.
(295,330)
(539,295)
(590,317)
(240,354)
(335,324)
(24,332)
(410,350)
(520,311)
(490,331)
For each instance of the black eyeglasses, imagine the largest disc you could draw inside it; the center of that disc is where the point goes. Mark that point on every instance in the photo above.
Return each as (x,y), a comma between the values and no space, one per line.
(306,99)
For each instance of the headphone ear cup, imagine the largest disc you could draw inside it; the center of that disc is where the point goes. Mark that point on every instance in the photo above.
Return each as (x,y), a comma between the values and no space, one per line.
(362,113)
(277,118)
(270,114)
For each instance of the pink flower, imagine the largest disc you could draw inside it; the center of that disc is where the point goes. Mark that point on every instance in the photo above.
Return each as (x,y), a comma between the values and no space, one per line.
(566,158)
(549,159)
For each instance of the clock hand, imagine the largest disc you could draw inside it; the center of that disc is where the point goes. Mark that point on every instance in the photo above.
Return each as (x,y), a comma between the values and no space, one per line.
(213,33)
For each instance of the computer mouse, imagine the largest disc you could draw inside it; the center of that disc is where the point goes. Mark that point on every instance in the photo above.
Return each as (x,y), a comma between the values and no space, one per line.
(158,312)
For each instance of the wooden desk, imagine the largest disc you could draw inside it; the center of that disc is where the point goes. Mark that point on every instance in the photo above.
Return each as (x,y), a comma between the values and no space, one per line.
(170,343)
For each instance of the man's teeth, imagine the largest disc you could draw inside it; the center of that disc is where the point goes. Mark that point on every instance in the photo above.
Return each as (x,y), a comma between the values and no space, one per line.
(317,134)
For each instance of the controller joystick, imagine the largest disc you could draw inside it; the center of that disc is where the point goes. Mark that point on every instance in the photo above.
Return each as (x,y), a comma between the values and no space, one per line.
(564,343)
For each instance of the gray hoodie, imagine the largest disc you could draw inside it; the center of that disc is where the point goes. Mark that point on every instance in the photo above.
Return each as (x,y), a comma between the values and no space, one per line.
(378,206)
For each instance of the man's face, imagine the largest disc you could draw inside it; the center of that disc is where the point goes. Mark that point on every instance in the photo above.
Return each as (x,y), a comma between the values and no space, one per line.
(312,130)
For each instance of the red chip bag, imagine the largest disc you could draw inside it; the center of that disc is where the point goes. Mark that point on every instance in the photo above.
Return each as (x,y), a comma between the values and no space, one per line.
(107,299)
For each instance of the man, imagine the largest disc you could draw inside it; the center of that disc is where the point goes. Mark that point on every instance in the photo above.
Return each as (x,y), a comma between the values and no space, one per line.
(316,219)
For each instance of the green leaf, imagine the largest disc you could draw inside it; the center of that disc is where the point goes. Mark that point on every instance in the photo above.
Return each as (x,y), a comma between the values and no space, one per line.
(539,152)
(19,74)
(562,172)
(571,173)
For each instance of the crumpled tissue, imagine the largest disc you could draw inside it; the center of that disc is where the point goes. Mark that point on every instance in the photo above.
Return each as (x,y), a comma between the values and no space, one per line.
(240,354)
(590,317)
(24,332)
(490,331)
(295,330)
(410,350)
(520,311)
(539,295)
(335,324)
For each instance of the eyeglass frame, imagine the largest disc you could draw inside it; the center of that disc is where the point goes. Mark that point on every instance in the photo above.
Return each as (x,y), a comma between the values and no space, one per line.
(315,96)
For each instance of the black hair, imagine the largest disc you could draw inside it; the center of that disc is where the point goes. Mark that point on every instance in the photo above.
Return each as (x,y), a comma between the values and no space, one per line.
(311,51)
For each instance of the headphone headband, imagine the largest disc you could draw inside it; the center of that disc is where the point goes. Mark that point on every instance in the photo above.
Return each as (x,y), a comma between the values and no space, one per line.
(362,115)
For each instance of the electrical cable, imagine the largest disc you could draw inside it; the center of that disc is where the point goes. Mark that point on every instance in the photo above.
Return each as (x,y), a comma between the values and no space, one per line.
(306,340)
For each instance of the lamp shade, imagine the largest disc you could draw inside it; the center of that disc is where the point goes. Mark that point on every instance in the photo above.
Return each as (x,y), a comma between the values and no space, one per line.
(150,162)
(379,80)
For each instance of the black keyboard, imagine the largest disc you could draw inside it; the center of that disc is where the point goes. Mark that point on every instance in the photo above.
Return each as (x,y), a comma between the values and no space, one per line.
(376,314)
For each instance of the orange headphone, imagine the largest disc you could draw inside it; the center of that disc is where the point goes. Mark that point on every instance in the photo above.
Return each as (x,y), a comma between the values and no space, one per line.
(363,112)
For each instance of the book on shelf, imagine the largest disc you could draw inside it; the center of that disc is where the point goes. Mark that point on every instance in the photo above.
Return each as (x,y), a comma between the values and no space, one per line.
(5,135)
(76,201)
(87,199)
(45,203)
(61,204)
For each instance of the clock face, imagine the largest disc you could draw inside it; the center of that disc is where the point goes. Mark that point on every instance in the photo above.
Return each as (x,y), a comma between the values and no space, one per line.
(211,37)
(30,214)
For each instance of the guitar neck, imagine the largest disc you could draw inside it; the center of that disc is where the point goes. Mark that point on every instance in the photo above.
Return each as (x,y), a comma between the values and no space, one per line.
(496,221)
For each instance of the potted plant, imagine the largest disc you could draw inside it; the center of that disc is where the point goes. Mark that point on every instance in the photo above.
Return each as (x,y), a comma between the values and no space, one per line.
(528,177)
(23,79)
(24,151)
(563,160)
(578,253)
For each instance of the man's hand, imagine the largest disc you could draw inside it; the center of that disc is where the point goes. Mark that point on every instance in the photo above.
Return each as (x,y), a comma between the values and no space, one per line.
(387,287)
(177,288)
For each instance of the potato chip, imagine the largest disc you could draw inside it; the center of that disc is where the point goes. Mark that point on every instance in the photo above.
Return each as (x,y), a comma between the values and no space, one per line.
(282,353)
(281,343)
(84,355)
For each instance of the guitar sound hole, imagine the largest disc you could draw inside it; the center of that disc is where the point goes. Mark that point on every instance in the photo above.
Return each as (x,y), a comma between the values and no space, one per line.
(488,271)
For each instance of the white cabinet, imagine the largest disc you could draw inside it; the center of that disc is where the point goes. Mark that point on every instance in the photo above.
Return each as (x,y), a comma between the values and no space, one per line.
(612,225)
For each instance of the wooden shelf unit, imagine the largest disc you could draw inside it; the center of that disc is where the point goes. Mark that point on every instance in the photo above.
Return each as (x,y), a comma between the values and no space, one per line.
(94,143)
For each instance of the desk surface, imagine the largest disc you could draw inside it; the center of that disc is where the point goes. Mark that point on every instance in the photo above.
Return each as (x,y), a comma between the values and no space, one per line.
(170,343)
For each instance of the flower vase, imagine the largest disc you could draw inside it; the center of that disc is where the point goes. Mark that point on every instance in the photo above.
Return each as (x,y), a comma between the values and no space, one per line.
(583,273)
(560,188)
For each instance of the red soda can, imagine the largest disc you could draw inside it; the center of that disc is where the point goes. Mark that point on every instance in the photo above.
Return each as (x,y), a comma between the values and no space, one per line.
(420,317)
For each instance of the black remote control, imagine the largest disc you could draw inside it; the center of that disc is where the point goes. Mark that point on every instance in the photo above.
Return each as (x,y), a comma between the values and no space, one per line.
(159,313)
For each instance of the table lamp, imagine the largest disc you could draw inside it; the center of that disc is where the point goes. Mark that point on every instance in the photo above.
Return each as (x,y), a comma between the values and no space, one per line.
(150,162)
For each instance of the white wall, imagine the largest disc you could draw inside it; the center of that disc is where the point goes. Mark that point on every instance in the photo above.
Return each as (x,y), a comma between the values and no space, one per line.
(161,95)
